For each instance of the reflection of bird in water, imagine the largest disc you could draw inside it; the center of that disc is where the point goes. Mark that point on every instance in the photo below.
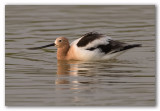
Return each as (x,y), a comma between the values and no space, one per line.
(90,47)
(71,69)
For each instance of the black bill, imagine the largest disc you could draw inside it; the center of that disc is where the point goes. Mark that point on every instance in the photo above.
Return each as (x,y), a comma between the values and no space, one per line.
(49,45)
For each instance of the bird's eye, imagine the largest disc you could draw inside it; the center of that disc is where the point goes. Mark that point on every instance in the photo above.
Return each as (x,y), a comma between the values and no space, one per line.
(60,41)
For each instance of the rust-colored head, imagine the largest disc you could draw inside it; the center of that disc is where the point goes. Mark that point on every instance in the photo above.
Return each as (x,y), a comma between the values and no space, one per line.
(61,42)
(63,46)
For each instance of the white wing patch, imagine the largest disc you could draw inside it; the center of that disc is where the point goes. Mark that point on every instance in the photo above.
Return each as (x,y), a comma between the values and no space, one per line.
(97,42)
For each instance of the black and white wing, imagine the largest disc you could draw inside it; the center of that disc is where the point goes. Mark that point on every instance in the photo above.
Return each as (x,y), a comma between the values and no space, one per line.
(94,41)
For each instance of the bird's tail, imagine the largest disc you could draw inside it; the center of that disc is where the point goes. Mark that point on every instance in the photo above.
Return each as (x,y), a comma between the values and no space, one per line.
(126,47)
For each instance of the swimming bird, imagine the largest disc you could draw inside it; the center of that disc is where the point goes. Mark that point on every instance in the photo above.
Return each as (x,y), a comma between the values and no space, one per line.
(91,46)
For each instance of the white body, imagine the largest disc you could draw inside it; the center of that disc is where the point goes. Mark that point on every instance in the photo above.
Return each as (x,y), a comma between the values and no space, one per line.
(80,53)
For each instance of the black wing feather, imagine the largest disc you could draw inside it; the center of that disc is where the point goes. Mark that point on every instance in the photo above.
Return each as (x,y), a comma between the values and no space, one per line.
(114,46)
(89,37)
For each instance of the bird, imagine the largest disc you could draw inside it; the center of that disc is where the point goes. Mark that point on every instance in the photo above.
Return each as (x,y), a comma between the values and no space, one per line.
(92,46)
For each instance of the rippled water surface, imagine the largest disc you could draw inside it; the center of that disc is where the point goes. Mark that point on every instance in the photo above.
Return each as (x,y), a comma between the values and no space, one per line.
(36,78)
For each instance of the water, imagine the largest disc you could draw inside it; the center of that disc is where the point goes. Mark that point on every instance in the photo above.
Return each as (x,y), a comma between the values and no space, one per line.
(36,78)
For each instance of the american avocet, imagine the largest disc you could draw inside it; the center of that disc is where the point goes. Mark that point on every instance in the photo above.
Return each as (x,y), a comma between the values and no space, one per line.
(92,46)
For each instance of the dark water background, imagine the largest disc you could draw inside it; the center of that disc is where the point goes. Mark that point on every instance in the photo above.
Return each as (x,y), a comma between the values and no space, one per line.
(36,78)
